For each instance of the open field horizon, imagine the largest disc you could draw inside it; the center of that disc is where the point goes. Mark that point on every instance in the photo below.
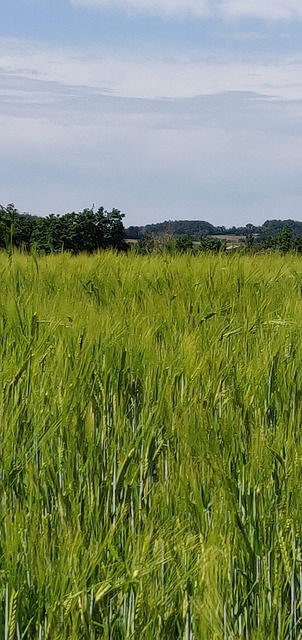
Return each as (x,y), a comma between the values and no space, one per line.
(150,447)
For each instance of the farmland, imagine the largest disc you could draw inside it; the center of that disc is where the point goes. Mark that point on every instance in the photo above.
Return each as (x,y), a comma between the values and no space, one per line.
(150,447)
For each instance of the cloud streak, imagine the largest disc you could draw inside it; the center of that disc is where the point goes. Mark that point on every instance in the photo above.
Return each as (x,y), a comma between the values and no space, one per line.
(224,143)
(165,8)
(270,10)
(152,76)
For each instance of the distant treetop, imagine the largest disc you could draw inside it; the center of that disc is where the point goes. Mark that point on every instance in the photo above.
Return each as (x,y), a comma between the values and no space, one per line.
(197,228)
(88,230)
(93,229)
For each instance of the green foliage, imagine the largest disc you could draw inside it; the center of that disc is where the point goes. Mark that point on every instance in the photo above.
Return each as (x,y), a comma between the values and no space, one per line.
(150,447)
(271,228)
(146,244)
(192,228)
(195,228)
(184,244)
(285,241)
(87,231)
(211,243)
(15,229)
(165,243)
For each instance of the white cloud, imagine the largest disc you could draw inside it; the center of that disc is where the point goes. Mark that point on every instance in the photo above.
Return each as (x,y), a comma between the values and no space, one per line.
(227,9)
(149,76)
(166,8)
(231,154)
(263,9)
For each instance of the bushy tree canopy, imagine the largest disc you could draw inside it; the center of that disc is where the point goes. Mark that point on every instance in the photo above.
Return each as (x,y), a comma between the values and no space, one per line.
(88,230)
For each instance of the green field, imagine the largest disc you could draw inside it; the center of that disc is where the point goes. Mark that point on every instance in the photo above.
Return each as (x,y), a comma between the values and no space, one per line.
(150,447)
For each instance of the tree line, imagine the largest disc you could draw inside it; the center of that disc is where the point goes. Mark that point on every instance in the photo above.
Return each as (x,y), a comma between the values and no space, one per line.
(95,229)
(284,241)
(198,228)
(88,230)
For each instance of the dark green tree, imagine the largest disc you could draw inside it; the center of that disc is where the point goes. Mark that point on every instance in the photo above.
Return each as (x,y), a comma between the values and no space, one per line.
(210,243)
(285,240)
(184,244)
(145,244)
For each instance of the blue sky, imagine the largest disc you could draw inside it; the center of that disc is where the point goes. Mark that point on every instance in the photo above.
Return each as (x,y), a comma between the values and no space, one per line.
(165,109)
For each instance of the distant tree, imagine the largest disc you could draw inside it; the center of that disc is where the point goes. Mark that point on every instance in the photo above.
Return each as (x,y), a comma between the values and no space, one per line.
(24,226)
(274,227)
(90,230)
(145,244)
(46,235)
(10,214)
(4,228)
(250,242)
(134,233)
(298,244)
(193,228)
(184,244)
(285,240)
(114,233)
(15,228)
(209,243)
(87,231)
(87,234)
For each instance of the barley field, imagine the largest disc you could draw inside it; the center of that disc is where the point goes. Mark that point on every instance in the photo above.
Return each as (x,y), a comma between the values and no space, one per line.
(150,447)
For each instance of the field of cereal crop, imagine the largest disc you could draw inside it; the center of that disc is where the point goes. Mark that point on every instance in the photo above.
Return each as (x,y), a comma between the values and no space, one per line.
(150,447)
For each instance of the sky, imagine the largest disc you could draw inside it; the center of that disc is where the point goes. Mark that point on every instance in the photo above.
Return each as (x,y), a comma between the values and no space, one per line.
(164,109)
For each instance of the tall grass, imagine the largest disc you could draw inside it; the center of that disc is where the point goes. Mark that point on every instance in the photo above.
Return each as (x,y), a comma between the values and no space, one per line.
(150,447)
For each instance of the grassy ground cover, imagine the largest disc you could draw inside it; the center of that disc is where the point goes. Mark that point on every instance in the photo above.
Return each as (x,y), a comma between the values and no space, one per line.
(150,447)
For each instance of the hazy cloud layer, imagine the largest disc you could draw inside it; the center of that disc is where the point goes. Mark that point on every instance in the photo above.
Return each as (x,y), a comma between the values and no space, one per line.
(219,140)
(225,9)
(152,76)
